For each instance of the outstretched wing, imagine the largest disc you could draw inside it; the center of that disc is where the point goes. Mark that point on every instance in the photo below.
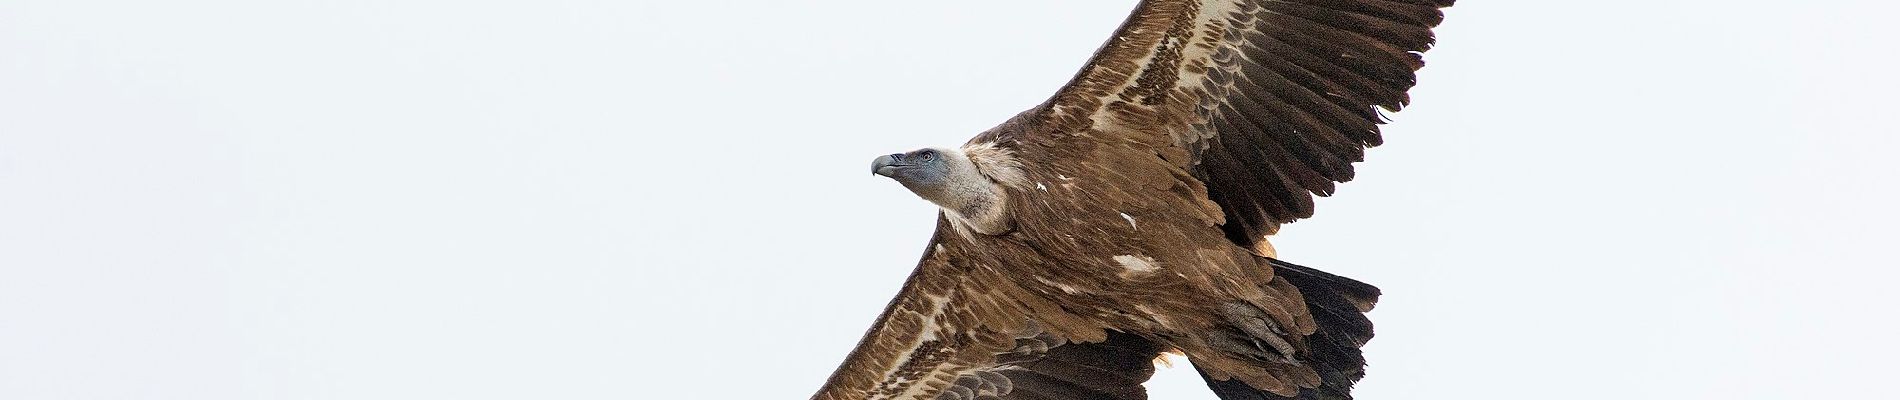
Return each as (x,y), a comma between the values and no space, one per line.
(1267,102)
(957,330)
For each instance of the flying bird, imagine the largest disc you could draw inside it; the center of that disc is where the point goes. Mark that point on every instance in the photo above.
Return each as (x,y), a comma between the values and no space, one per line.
(1128,215)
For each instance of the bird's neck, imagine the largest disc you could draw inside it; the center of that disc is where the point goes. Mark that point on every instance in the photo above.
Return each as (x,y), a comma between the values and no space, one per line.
(971,199)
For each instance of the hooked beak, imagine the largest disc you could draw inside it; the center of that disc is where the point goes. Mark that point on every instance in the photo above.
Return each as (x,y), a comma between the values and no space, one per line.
(886,164)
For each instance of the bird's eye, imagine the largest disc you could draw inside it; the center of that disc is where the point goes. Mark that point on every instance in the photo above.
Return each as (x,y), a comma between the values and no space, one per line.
(927,155)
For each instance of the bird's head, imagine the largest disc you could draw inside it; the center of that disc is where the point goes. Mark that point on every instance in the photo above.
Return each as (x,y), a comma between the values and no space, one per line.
(954,180)
(923,171)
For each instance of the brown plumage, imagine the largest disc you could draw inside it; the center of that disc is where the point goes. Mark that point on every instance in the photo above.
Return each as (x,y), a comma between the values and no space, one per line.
(1128,215)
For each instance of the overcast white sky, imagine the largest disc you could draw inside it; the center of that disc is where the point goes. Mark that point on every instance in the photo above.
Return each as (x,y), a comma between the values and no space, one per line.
(1644,199)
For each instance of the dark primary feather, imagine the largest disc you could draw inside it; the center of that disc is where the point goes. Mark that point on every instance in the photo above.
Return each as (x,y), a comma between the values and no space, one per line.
(1307,78)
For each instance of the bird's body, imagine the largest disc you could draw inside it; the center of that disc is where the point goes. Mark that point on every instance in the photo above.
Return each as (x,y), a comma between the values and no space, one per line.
(1127,216)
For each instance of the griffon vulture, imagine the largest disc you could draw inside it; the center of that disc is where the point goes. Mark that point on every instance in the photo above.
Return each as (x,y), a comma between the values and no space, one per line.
(1127,216)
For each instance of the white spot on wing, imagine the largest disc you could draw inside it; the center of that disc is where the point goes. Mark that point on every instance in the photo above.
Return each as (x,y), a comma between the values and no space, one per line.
(1131,221)
(1058,285)
(1039,186)
(1134,263)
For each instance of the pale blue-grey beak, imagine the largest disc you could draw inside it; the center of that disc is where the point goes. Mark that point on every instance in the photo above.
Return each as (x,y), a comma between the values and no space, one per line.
(886,164)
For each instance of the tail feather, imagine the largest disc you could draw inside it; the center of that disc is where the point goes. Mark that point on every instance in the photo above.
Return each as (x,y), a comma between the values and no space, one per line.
(1337,305)
(1358,294)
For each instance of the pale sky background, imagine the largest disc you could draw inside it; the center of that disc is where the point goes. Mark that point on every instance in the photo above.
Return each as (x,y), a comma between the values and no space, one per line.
(1637,199)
